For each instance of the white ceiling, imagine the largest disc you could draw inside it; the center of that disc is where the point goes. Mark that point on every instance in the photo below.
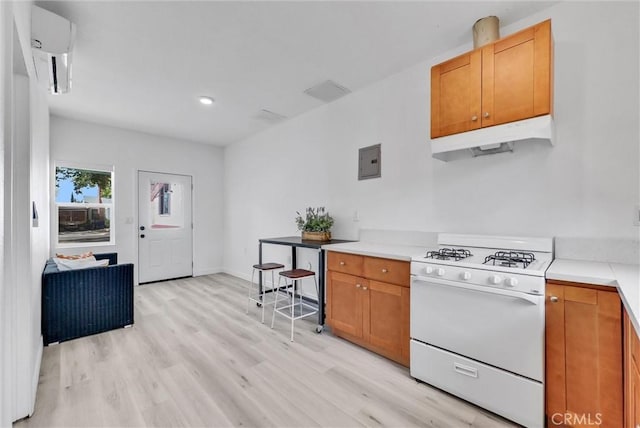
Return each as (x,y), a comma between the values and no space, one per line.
(142,65)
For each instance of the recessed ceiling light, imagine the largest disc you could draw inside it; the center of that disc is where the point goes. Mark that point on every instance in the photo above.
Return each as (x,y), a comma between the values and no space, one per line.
(206,100)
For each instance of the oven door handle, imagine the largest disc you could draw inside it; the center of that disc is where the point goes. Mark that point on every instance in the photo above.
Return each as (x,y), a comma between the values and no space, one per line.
(533,299)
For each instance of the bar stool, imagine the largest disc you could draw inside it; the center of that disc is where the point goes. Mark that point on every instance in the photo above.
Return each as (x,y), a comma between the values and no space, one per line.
(260,296)
(294,311)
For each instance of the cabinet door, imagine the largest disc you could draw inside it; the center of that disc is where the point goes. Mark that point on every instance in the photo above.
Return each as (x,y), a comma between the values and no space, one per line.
(516,76)
(635,396)
(555,382)
(344,302)
(455,95)
(631,375)
(386,319)
(593,355)
(583,356)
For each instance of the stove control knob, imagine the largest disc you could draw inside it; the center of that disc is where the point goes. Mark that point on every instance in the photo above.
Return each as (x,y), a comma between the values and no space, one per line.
(428,269)
(465,275)
(495,279)
(440,272)
(512,282)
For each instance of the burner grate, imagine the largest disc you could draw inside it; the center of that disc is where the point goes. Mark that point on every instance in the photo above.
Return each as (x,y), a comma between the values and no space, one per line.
(510,259)
(449,254)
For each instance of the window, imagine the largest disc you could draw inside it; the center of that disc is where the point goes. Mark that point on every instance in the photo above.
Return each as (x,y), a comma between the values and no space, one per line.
(84,205)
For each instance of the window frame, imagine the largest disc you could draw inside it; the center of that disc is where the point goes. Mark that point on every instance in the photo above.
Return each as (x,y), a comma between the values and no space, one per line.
(56,205)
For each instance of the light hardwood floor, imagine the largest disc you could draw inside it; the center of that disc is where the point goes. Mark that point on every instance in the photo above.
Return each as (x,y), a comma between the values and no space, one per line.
(194,358)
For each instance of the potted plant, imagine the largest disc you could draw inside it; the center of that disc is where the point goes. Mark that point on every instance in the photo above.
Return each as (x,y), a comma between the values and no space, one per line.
(315,225)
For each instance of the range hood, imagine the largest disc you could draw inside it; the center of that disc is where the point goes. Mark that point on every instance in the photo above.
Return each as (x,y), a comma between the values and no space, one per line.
(494,139)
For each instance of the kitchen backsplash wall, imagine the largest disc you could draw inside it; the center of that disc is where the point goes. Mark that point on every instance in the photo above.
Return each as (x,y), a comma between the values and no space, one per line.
(585,186)
(610,250)
(400,237)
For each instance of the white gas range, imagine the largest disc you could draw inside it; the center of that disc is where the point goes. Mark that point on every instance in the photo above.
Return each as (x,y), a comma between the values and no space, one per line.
(477,321)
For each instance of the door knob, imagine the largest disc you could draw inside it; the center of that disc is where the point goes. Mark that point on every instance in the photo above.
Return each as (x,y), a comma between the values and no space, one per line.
(364,288)
(486,114)
(553,299)
(358,285)
(141,227)
(474,118)
(142,236)
(384,271)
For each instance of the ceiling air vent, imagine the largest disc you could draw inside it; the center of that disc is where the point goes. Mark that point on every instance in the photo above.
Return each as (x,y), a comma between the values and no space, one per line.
(269,116)
(327,91)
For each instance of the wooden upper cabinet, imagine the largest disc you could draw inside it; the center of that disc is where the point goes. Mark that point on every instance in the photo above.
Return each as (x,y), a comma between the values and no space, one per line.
(516,76)
(455,95)
(502,82)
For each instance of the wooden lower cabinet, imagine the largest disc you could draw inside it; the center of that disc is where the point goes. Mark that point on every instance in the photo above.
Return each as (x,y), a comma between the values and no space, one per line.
(631,375)
(345,303)
(584,382)
(370,313)
(386,320)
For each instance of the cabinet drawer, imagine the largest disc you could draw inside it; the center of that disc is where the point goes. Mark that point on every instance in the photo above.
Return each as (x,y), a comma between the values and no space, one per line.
(346,263)
(385,270)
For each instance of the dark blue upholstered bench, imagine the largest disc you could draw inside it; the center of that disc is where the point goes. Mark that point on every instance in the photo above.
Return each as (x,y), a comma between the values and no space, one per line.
(77,303)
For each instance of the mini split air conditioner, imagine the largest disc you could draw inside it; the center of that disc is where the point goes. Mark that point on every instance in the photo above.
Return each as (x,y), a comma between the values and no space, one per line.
(52,39)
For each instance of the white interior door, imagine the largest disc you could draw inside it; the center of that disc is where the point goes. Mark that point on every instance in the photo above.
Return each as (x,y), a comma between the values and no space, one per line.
(165,232)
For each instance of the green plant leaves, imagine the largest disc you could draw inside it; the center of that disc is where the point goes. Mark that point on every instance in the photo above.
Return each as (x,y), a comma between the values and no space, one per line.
(315,220)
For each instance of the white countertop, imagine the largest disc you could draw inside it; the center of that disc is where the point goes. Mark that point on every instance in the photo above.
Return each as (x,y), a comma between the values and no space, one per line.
(625,277)
(387,251)
(596,273)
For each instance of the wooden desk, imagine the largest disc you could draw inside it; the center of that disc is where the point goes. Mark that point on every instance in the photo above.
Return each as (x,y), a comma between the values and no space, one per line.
(296,242)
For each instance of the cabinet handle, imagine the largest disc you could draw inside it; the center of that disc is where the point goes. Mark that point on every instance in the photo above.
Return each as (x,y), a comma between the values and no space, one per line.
(341,263)
(384,271)
(554,299)
(474,118)
(486,114)
(364,288)
(358,286)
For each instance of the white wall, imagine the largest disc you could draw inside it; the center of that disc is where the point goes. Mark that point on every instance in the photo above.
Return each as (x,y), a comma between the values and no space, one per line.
(40,245)
(586,186)
(128,152)
(25,149)
(6,72)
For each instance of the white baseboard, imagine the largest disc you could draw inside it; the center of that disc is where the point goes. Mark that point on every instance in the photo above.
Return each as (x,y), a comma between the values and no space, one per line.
(36,376)
(207,271)
(242,275)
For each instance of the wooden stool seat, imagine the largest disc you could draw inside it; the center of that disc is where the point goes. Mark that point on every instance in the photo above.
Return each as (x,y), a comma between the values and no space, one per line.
(260,295)
(301,308)
(268,266)
(297,273)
